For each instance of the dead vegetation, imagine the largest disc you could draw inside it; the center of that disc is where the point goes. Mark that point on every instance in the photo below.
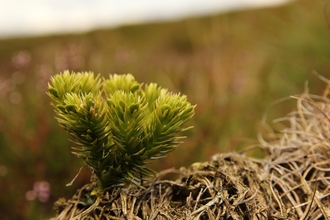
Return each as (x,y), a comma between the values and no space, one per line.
(291,182)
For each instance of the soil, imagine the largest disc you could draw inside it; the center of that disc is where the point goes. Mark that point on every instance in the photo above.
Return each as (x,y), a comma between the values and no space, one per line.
(291,182)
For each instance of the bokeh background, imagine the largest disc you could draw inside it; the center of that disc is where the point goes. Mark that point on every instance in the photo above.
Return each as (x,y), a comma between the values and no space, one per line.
(233,65)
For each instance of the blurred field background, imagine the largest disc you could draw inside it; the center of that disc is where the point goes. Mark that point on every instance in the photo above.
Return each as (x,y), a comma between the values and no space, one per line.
(232,65)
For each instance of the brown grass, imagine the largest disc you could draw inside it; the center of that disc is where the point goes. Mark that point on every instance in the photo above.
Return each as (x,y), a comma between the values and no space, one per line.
(292,182)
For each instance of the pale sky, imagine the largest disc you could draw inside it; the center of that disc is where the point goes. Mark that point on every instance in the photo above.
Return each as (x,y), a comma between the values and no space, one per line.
(40,17)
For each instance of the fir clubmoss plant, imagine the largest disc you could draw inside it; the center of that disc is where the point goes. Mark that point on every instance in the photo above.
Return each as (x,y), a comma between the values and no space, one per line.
(118,124)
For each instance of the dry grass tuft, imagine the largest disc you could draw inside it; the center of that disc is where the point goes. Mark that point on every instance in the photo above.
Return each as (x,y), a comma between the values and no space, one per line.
(292,182)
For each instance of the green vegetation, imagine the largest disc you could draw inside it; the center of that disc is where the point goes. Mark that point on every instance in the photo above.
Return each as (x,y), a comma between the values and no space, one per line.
(118,124)
(232,66)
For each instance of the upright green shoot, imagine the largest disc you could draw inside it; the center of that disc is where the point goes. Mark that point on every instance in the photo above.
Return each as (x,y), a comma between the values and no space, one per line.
(117,124)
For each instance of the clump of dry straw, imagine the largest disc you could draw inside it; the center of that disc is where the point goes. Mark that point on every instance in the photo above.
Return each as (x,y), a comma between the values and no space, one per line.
(291,182)
(298,164)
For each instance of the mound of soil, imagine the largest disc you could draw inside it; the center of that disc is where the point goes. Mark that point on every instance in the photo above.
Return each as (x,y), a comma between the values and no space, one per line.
(291,182)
